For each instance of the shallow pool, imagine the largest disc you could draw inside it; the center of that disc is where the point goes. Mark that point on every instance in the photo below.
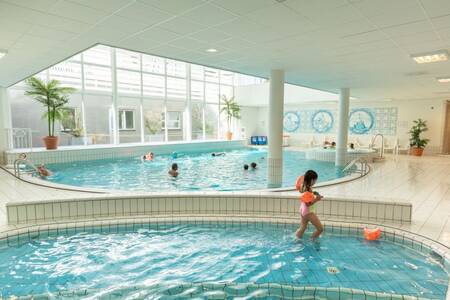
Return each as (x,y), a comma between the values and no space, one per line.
(198,171)
(186,260)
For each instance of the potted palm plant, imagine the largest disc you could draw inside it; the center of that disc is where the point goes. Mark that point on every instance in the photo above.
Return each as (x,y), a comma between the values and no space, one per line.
(231,110)
(416,142)
(53,97)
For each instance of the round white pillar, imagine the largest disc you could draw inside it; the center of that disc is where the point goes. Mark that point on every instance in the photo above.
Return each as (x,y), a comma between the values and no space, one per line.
(275,137)
(342,134)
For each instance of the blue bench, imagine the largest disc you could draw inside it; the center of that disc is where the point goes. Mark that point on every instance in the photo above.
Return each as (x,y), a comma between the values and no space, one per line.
(258,140)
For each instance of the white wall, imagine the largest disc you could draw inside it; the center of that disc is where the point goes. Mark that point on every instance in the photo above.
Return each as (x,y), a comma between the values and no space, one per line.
(430,110)
(249,121)
(258,95)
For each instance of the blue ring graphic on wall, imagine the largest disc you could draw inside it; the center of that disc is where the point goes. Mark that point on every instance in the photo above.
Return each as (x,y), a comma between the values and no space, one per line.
(361,121)
(291,121)
(322,121)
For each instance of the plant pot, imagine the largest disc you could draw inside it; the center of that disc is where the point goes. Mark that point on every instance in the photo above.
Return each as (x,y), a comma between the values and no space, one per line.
(416,151)
(229,135)
(51,142)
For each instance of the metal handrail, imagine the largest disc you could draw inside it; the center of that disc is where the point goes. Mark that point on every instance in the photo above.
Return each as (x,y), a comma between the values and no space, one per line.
(17,163)
(372,143)
(19,138)
(363,162)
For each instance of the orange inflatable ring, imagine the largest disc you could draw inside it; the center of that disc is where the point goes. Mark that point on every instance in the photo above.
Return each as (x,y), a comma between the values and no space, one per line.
(307,197)
(372,234)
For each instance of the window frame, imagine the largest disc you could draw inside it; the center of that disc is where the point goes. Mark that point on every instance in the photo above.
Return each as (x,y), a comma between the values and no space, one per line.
(163,127)
(124,110)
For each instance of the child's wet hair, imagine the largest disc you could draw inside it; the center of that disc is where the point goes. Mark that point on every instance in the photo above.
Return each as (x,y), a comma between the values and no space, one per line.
(309,176)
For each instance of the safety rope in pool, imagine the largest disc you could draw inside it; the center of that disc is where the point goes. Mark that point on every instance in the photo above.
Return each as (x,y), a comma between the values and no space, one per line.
(221,291)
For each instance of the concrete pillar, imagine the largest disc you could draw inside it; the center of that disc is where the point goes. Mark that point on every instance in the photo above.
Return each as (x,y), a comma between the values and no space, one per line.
(5,122)
(275,137)
(342,134)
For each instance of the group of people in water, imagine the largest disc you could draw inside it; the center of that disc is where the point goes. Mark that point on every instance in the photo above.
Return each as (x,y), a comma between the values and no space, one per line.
(332,145)
(173,171)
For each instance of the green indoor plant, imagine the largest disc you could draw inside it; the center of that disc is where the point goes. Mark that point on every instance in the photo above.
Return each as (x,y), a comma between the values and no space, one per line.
(53,97)
(231,109)
(416,142)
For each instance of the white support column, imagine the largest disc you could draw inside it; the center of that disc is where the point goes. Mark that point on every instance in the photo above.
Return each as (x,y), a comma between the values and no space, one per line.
(188,109)
(83,104)
(342,134)
(115,119)
(141,101)
(5,122)
(275,137)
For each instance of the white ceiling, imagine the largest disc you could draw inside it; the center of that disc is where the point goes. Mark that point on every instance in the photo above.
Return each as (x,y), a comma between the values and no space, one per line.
(324,44)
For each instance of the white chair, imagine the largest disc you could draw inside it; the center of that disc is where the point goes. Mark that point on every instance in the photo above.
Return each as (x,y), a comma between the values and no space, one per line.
(314,143)
(360,144)
(398,148)
(388,146)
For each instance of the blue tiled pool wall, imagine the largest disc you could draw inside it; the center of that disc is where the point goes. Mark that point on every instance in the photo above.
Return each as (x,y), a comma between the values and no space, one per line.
(13,239)
(261,291)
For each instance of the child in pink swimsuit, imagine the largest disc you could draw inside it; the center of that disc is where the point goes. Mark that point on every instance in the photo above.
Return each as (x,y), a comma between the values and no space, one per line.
(307,200)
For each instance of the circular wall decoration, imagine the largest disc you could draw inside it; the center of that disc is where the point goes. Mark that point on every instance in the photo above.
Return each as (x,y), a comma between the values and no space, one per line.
(291,121)
(361,121)
(322,121)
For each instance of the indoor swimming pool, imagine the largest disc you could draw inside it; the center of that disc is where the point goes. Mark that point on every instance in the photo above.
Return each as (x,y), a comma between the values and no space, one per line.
(201,259)
(197,171)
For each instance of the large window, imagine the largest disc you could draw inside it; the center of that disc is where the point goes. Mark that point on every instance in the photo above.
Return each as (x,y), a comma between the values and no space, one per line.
(127,97)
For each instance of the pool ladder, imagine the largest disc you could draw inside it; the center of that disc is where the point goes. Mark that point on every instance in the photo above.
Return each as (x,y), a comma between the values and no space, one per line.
(363,163)
(372,144)
(24,161)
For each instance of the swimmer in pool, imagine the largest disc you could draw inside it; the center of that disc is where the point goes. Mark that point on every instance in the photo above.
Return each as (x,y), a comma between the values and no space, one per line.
(148,157)
(218,154)
(245,167)
(43,171)
(173,170)
(253,165)
(308,198)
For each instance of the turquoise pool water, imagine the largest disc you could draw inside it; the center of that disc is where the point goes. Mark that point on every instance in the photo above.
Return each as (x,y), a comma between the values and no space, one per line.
(198,171)
(160,261)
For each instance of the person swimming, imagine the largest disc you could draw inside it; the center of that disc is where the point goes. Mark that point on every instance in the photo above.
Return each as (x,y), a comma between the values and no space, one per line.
(253,165)
(148,157)
(218,154)
(245,167)
(43,171)
(173,170)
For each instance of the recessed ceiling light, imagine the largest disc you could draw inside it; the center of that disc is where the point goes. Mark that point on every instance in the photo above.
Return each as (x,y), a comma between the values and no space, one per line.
(211,50)
(3,53)
(443,79)
(429,57)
